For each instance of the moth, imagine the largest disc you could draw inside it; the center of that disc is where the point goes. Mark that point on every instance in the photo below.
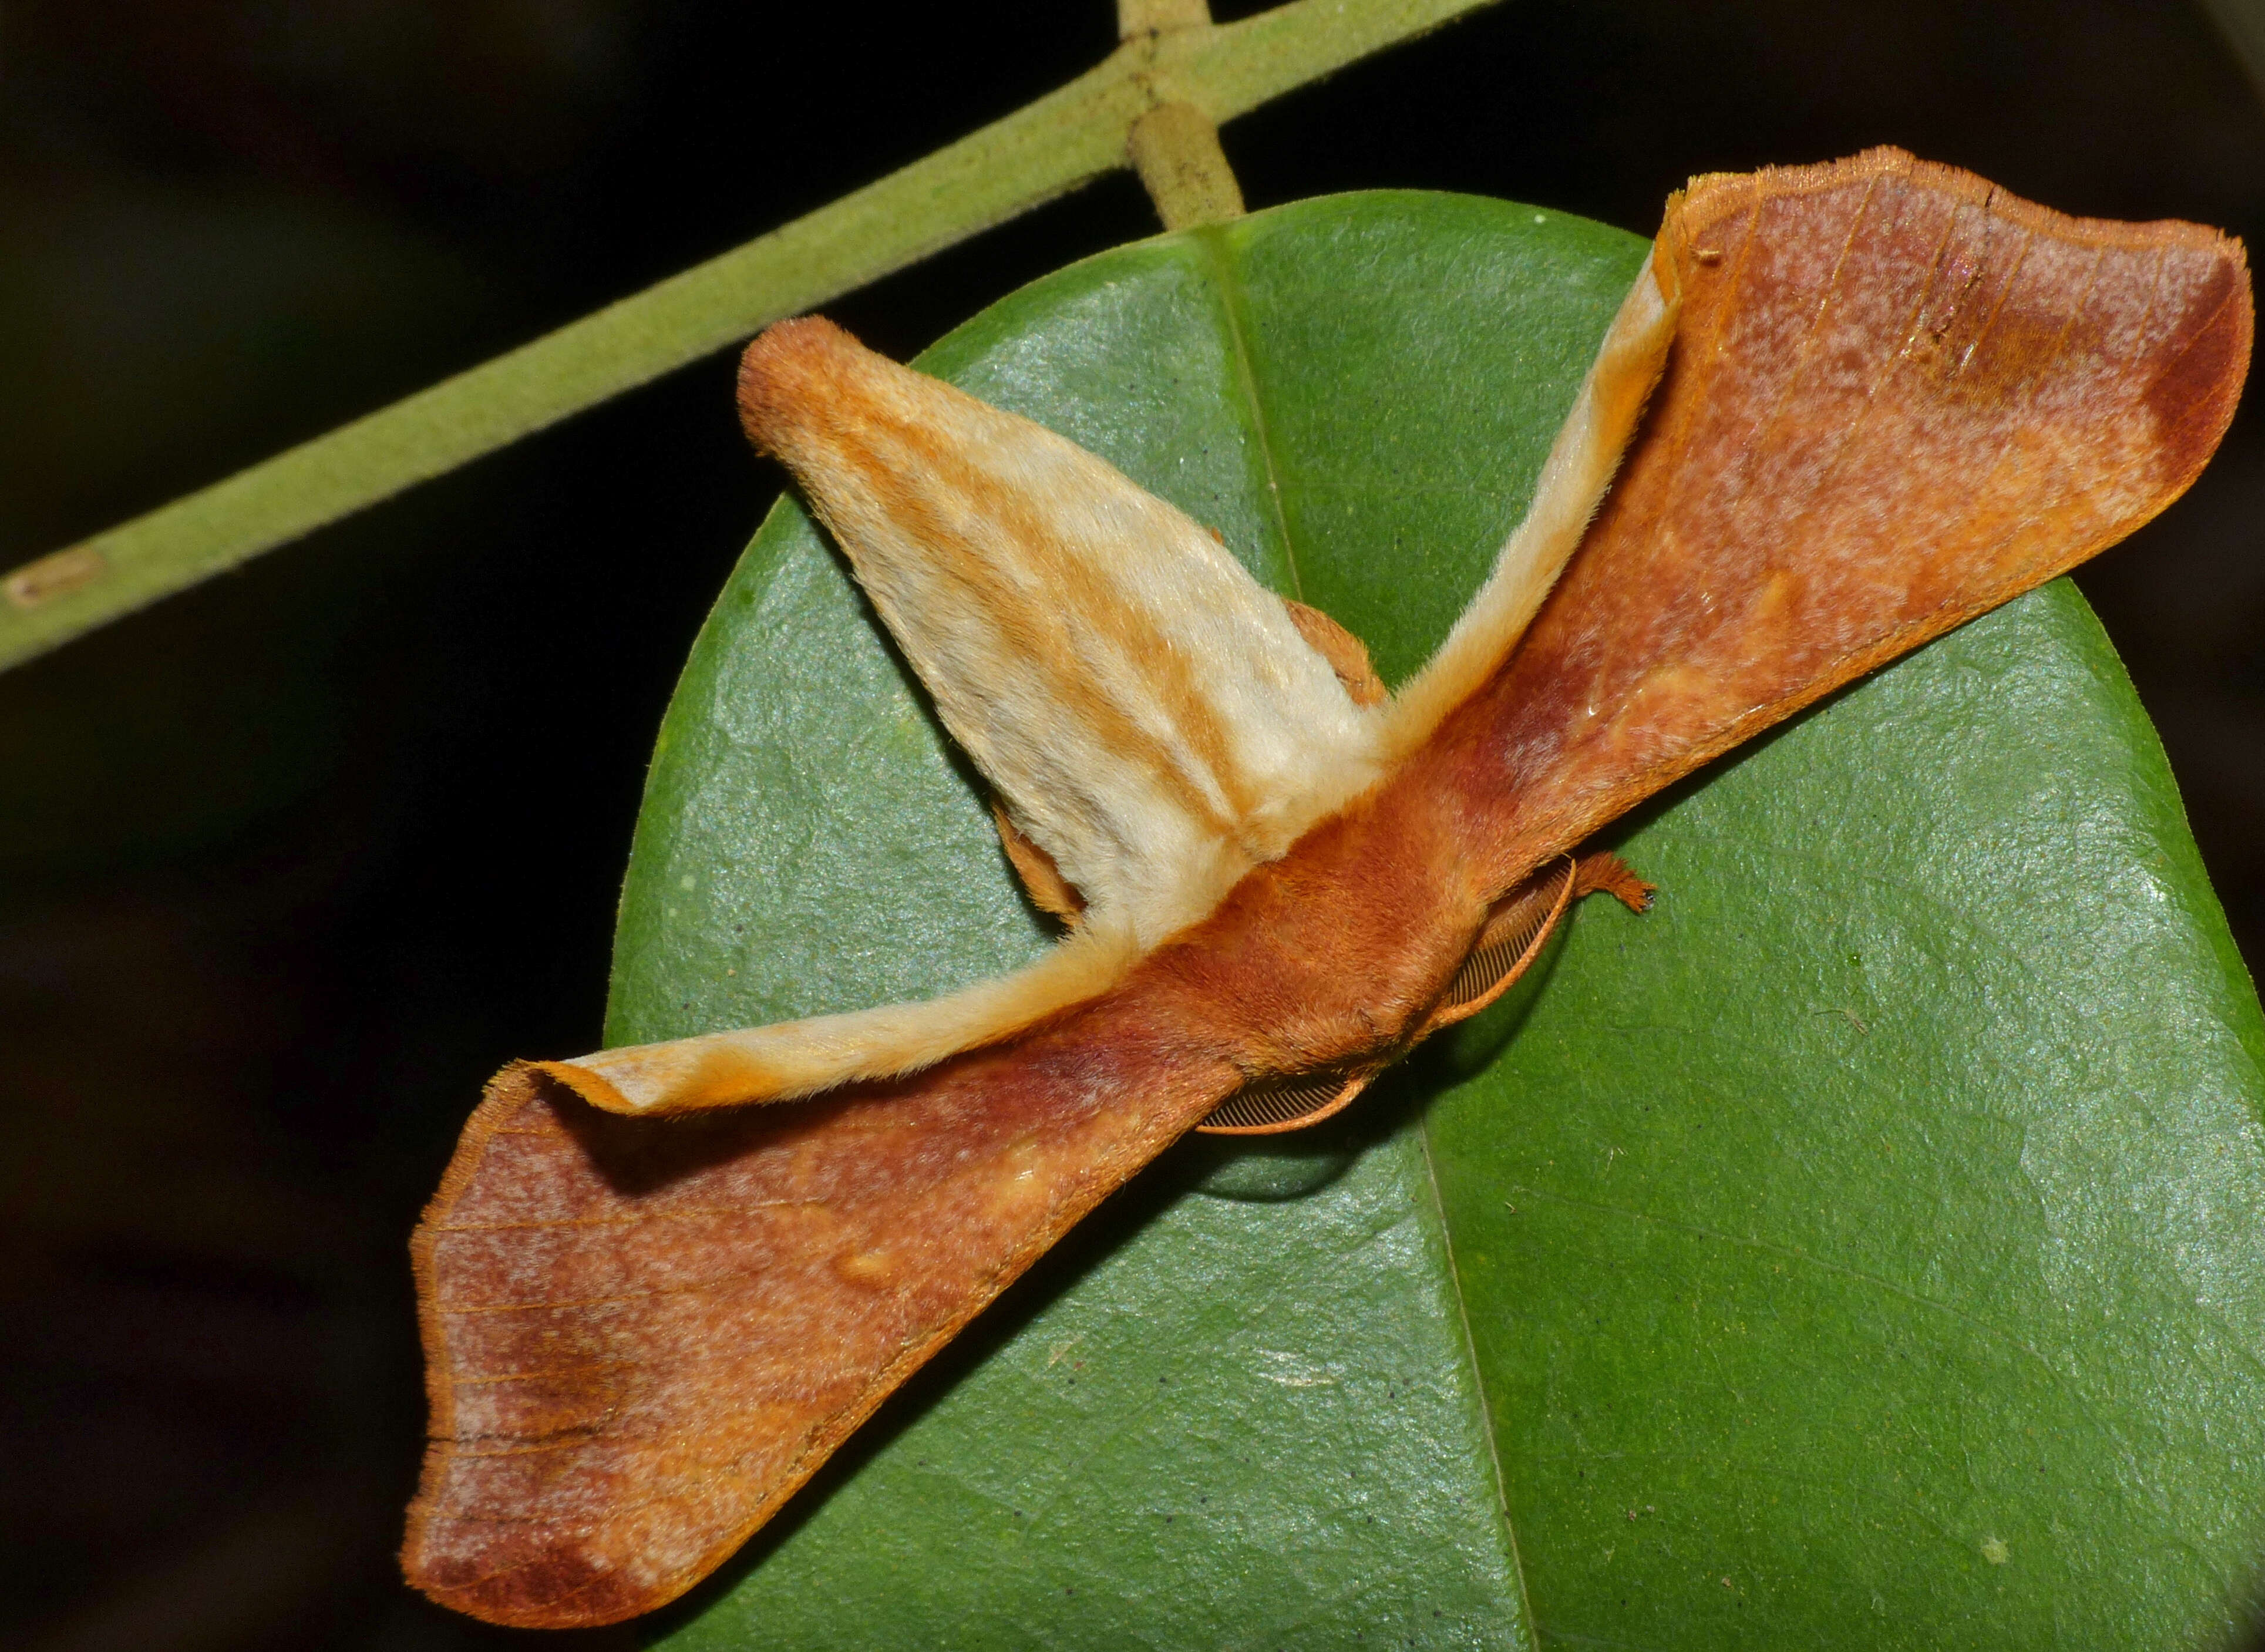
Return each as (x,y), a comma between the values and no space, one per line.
(1843,409)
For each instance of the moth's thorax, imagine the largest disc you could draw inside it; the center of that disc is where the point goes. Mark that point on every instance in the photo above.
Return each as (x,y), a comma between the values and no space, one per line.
(1338,950)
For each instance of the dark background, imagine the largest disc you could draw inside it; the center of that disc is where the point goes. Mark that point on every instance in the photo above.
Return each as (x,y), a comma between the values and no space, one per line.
(287,865)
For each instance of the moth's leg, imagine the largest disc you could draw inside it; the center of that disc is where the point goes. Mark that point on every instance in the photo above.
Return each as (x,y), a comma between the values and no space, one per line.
(1604,873)
(1347,654)
(1049,891)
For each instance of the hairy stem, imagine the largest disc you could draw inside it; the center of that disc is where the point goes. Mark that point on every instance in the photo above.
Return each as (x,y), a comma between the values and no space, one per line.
(1171,55)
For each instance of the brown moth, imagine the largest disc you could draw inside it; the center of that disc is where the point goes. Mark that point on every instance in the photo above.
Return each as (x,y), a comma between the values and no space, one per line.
(1895,398)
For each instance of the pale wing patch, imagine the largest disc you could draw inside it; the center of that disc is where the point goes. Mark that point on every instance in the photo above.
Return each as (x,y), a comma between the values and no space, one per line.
(1149,712)
(1573,481)
(801,1057)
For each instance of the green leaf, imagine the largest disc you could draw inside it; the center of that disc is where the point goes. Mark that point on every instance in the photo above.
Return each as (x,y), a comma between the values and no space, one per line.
(1862,1249)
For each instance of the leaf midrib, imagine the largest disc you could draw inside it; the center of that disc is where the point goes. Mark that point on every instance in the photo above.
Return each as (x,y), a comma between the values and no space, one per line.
(1468,1346)
(1234,304)
(1224,272)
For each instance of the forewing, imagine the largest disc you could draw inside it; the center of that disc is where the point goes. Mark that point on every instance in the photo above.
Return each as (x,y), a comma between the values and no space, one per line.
(1899,396)
(640,1339)
(1149,712)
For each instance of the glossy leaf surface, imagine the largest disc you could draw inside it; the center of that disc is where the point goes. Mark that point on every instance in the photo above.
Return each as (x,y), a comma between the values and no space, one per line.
(1862,1248)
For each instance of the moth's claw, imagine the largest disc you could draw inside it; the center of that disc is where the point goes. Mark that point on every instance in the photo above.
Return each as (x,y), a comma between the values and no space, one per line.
(1606,874)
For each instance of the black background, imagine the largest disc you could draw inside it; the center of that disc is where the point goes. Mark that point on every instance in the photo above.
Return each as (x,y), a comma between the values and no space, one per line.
(289,864)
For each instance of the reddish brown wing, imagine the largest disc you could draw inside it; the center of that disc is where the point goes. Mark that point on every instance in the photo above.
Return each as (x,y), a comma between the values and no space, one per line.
(1898,397)
(644,1334)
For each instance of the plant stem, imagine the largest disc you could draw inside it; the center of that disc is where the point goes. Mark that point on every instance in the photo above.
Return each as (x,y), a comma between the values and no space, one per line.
(1065,139)
(1175,147)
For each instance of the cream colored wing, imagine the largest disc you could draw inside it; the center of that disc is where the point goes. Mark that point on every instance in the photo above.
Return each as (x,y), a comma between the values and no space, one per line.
(1148,710)
(1152,716)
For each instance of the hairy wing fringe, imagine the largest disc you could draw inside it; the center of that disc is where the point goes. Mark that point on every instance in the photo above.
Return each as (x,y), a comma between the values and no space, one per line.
(796,1058)
(1579,469)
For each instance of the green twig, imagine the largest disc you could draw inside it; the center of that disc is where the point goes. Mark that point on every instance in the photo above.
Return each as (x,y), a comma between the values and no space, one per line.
(1065,139)
(1174,146)
(1176,151)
